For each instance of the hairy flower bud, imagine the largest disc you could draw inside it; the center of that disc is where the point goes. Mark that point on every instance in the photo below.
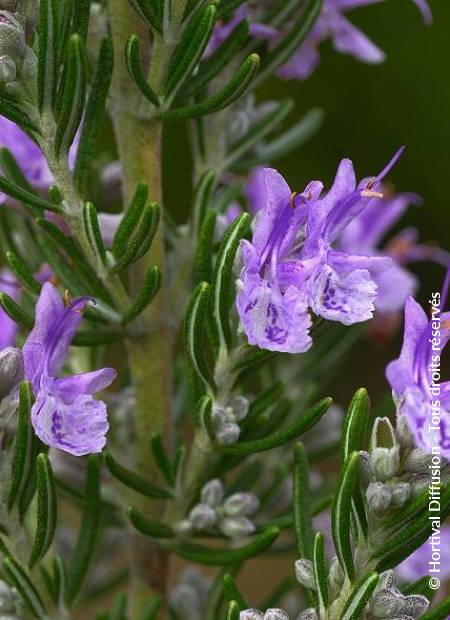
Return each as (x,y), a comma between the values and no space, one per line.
(228,434)
(417,462)
(365,469)
(241,505)
(236,527)
(12,36)
(385,463)
(202,517)
(275,614)
(183,528)
(403,434)
(336,576)
(378,497)
(240,406)
(387,604)
(212,493)
(251,614)
(304,572)
(415,605)
(308,614)
(401,492)
(8,71)
(11,370)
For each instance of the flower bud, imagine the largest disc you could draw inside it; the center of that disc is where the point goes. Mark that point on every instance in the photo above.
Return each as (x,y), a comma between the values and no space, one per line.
(385,463)
(304,573)
(275,614)
(383,435)
(12,36)
(401,492)
(236,527)
(419,483)
(378,497)
(202,517)
(218,416)
(183,528)
(11,370)
(417,462)
(8,71)
(387,604)
(415,605)
(8,599)
(308,614)
(404,436)
(212,493)
(251,614)
(241,505)
(240,406)
(336,576)
(387,581)
(228,434)
(365,469)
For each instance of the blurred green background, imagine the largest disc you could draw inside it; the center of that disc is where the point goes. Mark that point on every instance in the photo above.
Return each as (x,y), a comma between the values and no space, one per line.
(369,112)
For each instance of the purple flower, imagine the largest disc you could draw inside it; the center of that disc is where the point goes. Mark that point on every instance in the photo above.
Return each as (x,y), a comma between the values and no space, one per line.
(65,414)
(28,154)
(291,264)
(346,38)
(415,375)
(8,327)
(417,565)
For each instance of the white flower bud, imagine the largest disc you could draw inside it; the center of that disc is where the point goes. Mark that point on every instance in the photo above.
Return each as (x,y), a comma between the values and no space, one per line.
(218,416)
(378,497)
(415,605)
(387,581)
(336,576)
(276,614)
(241,505)
(386,604)
(304,573)
(11,370)
(8,599)
(419,483)
(385,463)
(183,528)
(213,492)
(404,436)
(228,434)
(308,614)
(236,527)
(401,492)
(240,407)
(417,462)
(251,614)
(12,36)
(203,517)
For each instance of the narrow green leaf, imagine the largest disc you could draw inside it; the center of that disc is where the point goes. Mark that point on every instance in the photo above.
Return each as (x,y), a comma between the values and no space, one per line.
(290,43)
(233,612)
(340,515)
(205,247)
(59,580)
(320,571)
(18,117)
(15,312)
(89,529)
(420,586)
(189,51)
(70,108)
(93,232)
(135,481)
(81,18)
(94,115)
(23,584)
(161,458)
(141,239)
(440,612)
(134,66)
(22,273)
(13,171)
(26,197)
(46,509)
(282,437)
(145,526)
(148,10)
(22,462)
(194,333)
(302,505)
(119,611)
(223,277)
(253,359)
(202,198)
(219,59)
(232,592)
(130,220)
(48,54)
(360,596)
(95,338)
(356,423)
(262,403)
(226,557)
(235,88)
(146,295)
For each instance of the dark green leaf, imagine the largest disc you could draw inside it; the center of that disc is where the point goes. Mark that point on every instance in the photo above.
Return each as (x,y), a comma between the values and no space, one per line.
(93,232)
(15,312)
(320,571)
(146,295)
(133,59)
(194,333)
(22,273)
(302,505)
(203,260)
(46,509)
(145,526)
(232,592)
(202,198)
(23,454)
(48,54)
(360,596)
(19,578)
(27,198)
(440,612)
(161,458)
(135,481)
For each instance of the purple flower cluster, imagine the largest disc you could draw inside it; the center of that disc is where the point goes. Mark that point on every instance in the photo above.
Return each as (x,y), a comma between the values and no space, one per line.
(419,394)
(294,264)
(331,24)
(65,414)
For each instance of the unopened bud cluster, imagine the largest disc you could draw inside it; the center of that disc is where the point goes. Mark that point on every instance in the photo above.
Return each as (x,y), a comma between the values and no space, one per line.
(270,614)
(388,603)
(11,370)
(225,420)
(230,515)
